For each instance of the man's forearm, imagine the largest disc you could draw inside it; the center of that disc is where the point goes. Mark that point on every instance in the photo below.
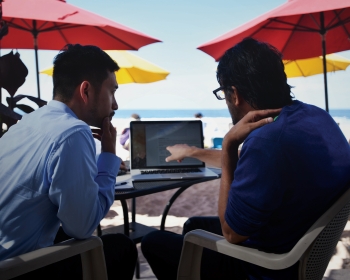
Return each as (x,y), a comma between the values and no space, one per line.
(212,158)
(181,151)
(229,160)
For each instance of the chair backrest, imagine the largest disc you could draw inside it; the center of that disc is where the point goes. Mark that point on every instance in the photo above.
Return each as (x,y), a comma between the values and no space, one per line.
(217,142)
(314,261)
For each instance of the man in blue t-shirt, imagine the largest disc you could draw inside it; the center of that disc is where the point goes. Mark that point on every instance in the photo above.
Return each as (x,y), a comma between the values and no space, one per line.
(294,163)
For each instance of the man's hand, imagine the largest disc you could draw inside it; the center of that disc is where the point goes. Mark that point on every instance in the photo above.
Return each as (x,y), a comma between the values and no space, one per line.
(179,152)
(254,119)
(108,136)
(123,166)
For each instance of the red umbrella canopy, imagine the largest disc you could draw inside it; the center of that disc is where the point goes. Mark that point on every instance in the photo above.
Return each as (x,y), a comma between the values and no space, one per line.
(57,23)
(51,24)
(295,28)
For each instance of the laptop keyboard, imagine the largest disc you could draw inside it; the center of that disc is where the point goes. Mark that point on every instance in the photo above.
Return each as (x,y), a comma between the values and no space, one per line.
(162,171)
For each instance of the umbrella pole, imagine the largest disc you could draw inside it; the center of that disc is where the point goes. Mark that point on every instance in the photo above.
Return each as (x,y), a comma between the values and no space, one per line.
(323,34)
(0,117)
(35,35)
(0,100)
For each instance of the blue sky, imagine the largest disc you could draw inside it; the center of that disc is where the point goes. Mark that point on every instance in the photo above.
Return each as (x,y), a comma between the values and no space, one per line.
(183,25)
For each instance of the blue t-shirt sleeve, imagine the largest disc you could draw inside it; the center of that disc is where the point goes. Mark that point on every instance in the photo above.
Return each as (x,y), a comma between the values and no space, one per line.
(256,190)
(82,190)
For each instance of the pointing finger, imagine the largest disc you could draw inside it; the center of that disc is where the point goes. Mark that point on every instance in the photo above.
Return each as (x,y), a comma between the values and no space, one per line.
(168,159)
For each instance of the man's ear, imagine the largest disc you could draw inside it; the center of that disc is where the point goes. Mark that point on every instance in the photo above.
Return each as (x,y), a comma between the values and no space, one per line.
(236,98)
(233,97)
(84,91)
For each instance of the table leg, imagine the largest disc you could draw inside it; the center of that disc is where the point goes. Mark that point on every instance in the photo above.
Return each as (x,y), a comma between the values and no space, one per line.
(170,203)
(137,272)
(99,230)
(127,228)
(133,210)
(125,216)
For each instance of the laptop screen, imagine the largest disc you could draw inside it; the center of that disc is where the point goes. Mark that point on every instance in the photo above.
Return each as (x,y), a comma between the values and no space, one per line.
(149,140)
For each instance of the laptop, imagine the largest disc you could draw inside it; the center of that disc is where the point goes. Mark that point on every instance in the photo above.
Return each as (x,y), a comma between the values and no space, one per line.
(148,142)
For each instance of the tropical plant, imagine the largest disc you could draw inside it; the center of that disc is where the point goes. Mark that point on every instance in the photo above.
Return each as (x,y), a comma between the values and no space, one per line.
(12,75)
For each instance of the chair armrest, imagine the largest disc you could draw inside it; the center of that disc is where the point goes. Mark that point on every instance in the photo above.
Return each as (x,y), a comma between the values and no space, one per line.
(196,240)
(91,251)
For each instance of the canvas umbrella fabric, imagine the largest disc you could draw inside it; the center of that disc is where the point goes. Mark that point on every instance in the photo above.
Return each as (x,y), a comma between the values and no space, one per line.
(133,69)
(313,66)
(299,29)
(51,24)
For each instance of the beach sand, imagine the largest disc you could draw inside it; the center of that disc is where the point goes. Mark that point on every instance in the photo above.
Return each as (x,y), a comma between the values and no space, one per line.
(201,200)
(198,200)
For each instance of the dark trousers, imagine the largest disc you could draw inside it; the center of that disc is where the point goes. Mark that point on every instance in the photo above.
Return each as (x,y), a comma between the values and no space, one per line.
(162,250)
(120,256)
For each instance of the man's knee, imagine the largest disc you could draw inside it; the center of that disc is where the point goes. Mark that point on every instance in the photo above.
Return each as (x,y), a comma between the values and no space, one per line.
(208,223)
(119,244)
(192,224)
(150,241)
(189,225)
(158,242)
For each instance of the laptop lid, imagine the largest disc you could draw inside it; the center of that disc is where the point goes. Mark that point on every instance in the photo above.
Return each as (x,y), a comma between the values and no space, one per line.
(149,139)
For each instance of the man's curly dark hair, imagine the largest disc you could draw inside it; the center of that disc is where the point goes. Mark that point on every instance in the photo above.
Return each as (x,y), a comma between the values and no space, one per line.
(256,70)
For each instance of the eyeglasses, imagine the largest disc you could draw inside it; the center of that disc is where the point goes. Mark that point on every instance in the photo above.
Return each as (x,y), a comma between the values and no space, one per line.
(219,93)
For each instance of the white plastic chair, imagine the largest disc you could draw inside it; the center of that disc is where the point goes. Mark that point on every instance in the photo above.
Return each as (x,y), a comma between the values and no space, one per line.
(314,250)
(91,251)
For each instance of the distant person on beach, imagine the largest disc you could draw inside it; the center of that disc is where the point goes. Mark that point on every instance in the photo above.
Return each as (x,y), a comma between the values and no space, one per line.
(200,116)
(125,135)
(48,171)
(294,163)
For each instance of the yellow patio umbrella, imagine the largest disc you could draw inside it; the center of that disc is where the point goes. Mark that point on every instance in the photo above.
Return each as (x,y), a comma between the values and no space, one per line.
(313,66)
(133,69)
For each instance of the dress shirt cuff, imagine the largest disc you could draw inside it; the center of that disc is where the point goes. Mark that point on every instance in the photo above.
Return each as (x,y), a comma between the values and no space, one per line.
(108,162)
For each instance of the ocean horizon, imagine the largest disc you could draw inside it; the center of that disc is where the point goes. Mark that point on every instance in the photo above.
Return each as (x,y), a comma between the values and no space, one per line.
(189,113)
(207,113)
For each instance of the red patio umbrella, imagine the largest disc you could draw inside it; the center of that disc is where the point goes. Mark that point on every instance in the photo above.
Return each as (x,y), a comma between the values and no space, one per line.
(299,29)
(51,24)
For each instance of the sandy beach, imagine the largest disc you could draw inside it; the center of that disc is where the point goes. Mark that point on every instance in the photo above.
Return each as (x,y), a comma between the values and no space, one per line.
(198,200)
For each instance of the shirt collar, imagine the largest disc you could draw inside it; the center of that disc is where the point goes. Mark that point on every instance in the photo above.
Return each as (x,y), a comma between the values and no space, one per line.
(60,105)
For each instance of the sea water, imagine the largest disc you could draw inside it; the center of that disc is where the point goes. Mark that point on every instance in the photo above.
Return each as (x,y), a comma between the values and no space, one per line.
(168,114)
(210,113)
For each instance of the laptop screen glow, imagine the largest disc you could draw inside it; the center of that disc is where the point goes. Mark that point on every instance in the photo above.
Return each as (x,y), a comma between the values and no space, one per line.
(149,140)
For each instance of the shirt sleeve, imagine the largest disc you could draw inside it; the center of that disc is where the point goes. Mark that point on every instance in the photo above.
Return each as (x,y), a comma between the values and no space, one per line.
(82,190)
(256,190)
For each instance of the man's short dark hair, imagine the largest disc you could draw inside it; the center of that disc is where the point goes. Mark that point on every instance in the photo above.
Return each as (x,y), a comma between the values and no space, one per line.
(256,70)
(75,64)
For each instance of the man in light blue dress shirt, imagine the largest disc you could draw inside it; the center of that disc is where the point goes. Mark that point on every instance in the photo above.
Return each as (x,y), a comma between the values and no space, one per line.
(48,171)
